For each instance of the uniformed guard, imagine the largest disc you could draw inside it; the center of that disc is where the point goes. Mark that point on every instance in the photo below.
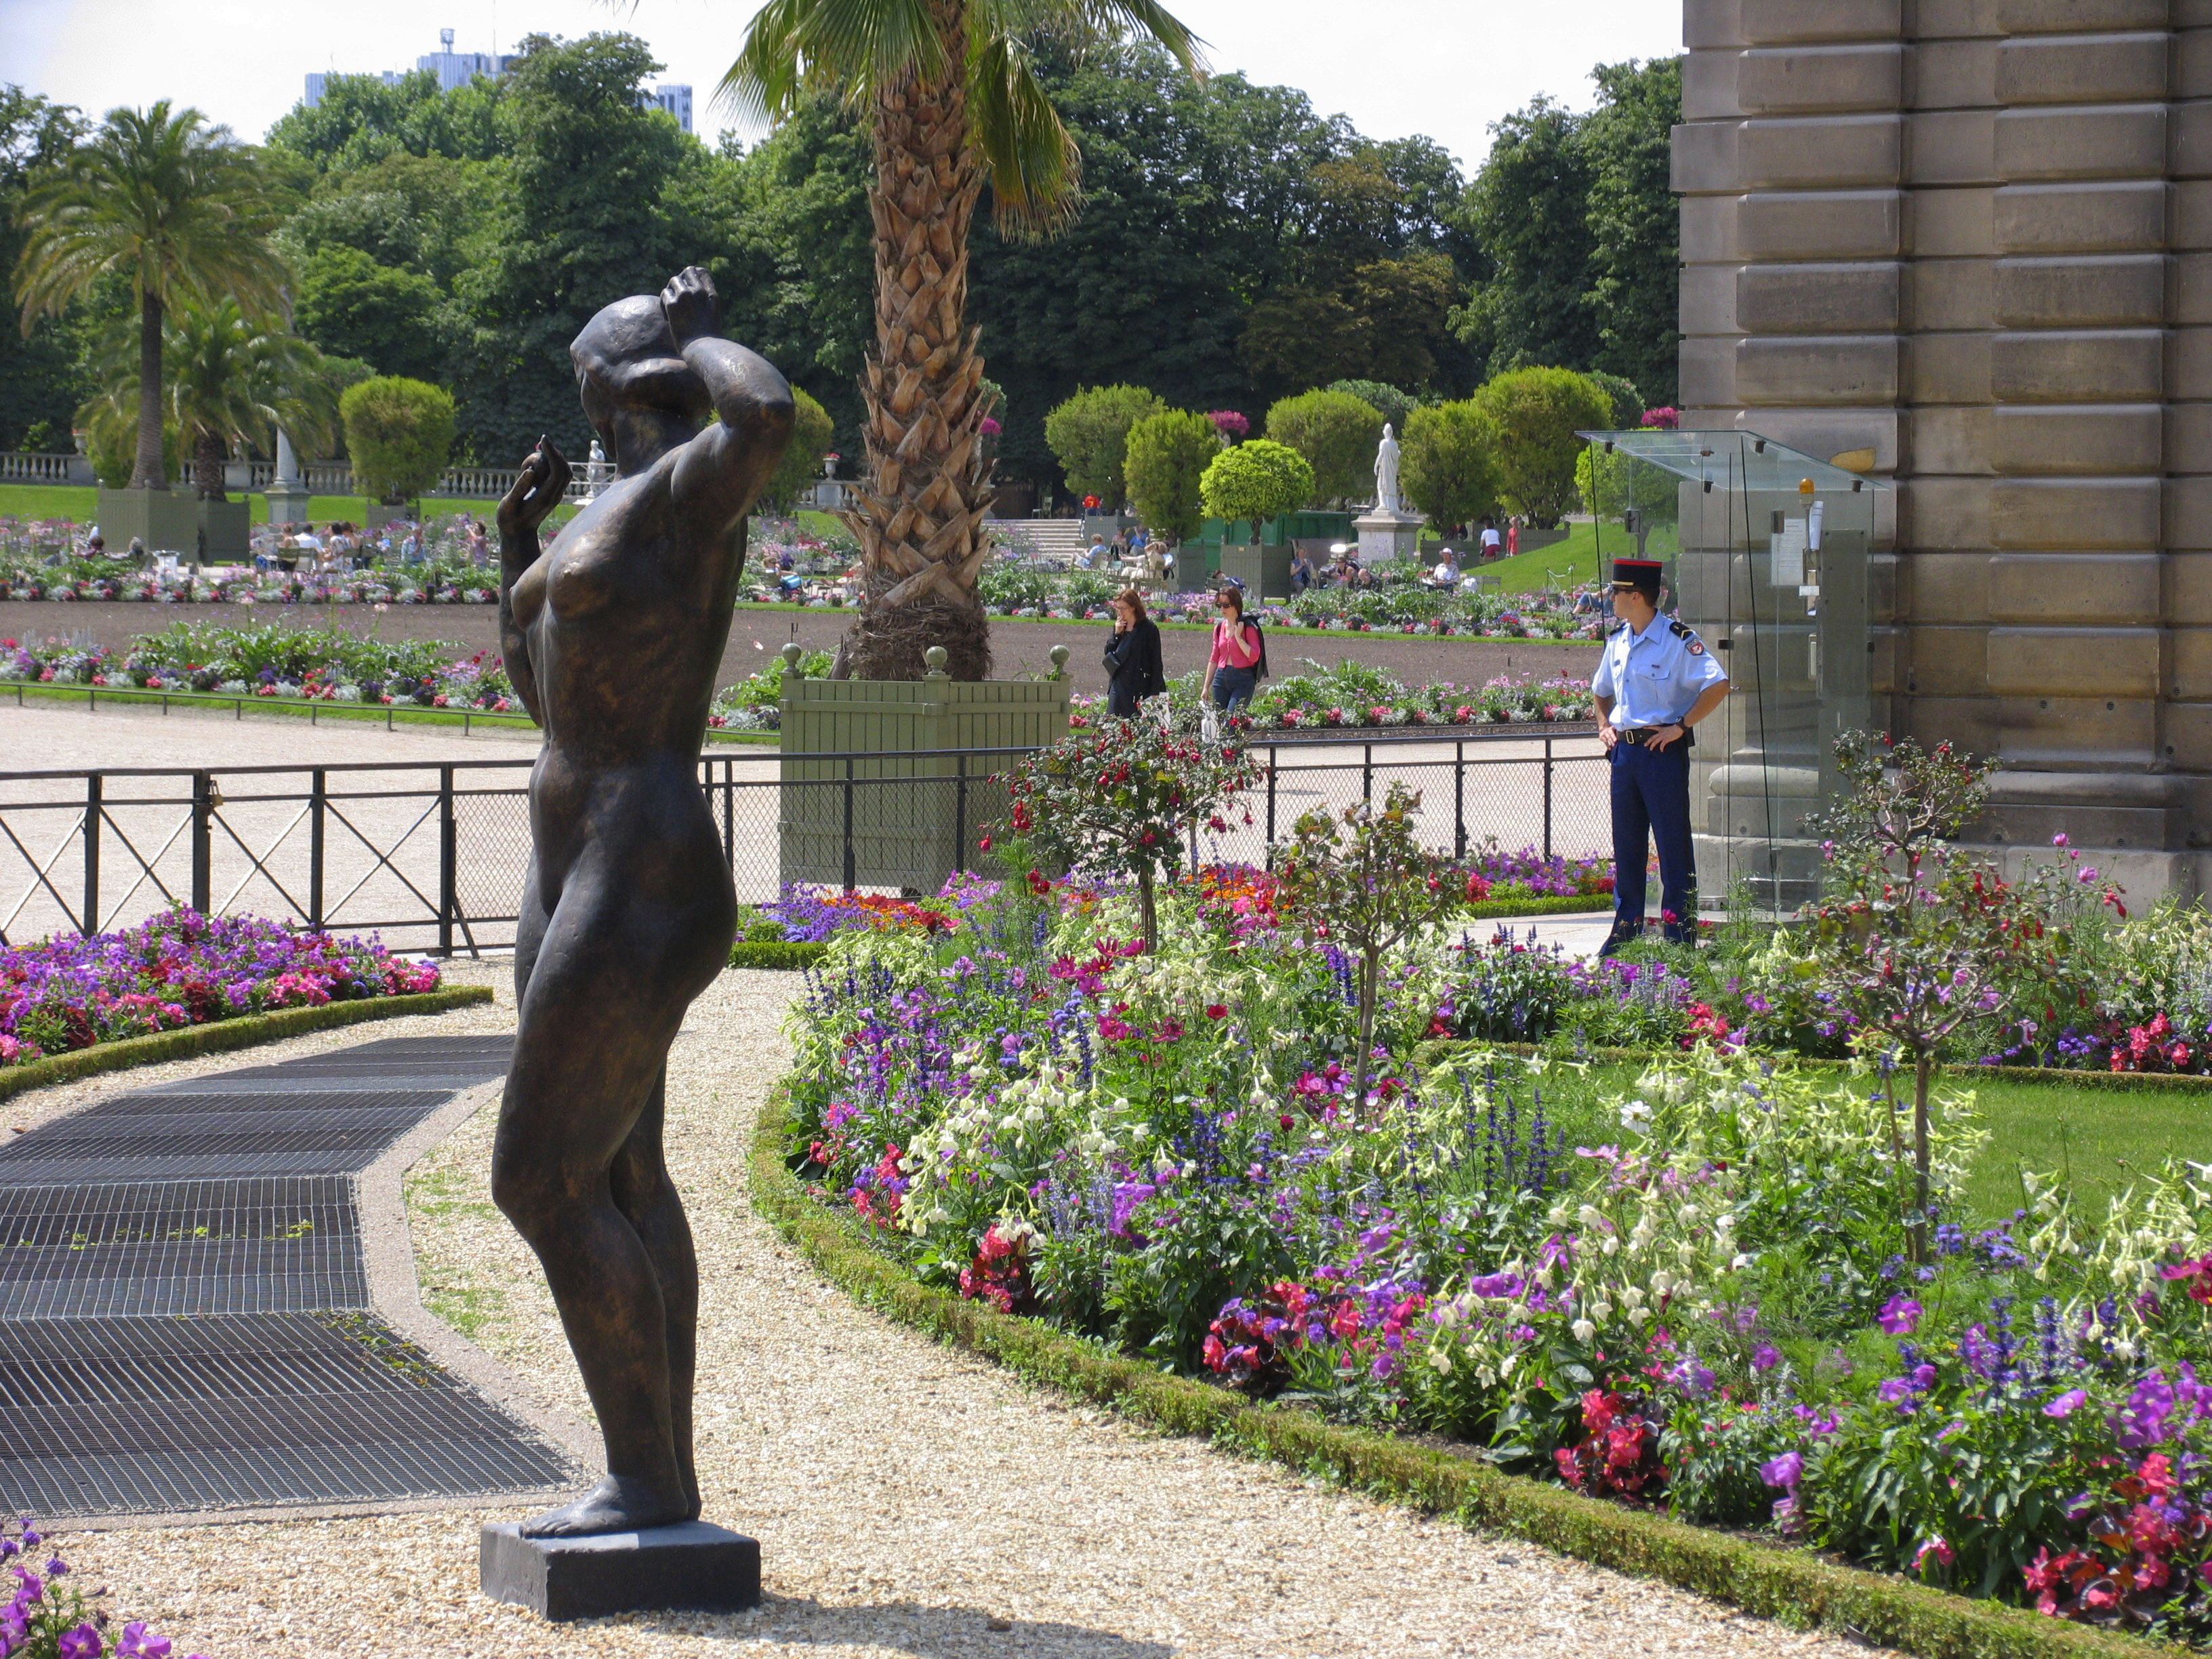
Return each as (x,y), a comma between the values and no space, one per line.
(1654,681)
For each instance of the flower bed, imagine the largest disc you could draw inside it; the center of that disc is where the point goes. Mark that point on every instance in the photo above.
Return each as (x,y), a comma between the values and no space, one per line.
(1698,1292)
(49,1617)
(1353,696)
(180,969)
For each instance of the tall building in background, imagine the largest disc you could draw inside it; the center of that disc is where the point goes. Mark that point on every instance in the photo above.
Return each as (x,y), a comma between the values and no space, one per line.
(456,68)
(1974,238)
(676,101)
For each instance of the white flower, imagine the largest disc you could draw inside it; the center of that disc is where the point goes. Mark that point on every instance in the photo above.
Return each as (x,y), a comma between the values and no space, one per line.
(1635,1115)
(1584,1330)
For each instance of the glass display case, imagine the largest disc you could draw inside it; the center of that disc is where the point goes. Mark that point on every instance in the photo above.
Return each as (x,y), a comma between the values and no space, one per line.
(1766,552)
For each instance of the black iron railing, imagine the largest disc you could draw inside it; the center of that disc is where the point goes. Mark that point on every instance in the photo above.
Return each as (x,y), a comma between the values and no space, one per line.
(433,855)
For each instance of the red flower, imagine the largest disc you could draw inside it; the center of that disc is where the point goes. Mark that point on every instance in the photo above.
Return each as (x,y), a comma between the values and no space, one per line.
(1216,1010)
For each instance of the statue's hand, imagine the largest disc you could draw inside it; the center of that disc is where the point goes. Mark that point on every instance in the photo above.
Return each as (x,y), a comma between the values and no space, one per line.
(538,489)
(693,308)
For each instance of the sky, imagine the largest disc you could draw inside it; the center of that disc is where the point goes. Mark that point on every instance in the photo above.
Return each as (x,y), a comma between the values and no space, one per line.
(1443,68)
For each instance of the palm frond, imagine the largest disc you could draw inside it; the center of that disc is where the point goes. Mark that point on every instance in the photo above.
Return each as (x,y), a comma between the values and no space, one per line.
(1091,21)
(1035,167)
(854,47)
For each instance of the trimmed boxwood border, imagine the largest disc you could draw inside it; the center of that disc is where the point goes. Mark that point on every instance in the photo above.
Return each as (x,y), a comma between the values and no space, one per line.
(1596,904)
(1793,1587)
(1429,1053)
(188,1042)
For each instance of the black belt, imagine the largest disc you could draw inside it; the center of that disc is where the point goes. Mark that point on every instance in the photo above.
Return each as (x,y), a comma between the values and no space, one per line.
(1640,735)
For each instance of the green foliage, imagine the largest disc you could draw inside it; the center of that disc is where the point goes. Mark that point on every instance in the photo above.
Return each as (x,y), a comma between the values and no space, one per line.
(1626,401)
(1394,405)
(39,377)
(801,466)
(1090,436)
(1538,412)
(1337,434)
(1449,465)
(1528,207)
(1256,479)
(387,315)
(1168,454)
(111,442)
(398,432)
(1634,256)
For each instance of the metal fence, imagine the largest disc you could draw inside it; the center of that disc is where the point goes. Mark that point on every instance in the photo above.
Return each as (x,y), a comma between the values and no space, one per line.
(432,855)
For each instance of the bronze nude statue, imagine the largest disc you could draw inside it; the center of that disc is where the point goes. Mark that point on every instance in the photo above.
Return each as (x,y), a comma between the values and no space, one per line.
(612,639)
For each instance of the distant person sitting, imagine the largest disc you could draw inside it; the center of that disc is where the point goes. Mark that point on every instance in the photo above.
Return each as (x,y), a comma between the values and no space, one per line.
(1445,577)
(1302,574)
(1098,557)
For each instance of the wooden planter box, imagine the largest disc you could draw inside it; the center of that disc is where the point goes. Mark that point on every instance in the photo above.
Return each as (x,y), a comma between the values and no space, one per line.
(1265,571)
(867,803)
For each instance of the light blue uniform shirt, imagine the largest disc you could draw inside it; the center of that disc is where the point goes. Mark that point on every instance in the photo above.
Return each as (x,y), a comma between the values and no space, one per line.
(1656,676)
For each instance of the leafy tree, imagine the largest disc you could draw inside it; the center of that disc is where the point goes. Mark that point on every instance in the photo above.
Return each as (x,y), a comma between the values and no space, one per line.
(1090,433)
(1123,797)
(1388,318)
(1529,209)
(1621,395)
(362,120)
(176,208)
(953,102)
(1449,464)
(1538,412)
(1392,404)
(232,382)
(810,432)
(388,315)
(39,375)
(1635,257)
(1366,876)
(1256,479)
(1168,454)
(1337,434)
(398,433)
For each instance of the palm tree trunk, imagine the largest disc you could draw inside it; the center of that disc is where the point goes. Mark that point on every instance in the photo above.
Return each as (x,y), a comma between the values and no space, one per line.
(148,470)
(921,509)
(207,464)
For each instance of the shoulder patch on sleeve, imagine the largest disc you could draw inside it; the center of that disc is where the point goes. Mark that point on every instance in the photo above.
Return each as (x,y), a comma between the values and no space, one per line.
(1697,648)
(1680,629)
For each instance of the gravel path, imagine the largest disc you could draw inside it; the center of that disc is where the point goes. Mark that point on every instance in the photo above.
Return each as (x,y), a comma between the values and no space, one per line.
(910,1499)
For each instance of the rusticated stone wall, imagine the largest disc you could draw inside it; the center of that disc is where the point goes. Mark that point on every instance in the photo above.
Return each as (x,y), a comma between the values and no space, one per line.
(1976,237)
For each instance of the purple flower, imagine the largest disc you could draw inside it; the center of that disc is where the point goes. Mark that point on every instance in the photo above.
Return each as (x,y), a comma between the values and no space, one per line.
(1899,1315)
(83,1642)
(1785,1472)
(1896,1392)
(2064,1405)
(137,1642)
(1765,1357)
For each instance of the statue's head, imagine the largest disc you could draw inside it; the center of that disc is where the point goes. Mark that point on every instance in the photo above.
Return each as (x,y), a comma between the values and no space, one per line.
(638,392)
(1387,433)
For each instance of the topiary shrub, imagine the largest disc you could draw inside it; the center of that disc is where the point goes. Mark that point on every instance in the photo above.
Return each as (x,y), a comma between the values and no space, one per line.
(398,432)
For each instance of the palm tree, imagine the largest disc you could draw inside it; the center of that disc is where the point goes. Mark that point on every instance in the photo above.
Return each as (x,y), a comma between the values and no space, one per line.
(235,382)
(955,103)
(178,207)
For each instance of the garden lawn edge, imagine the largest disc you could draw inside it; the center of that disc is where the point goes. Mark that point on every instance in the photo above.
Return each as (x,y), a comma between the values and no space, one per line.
(219,1036)
(2183,1082)
(785,954)
(1792,1586)
(1506,909)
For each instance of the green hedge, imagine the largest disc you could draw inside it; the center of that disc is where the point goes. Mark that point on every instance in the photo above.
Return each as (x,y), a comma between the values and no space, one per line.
(775,953)
(1486,909)
(1794,1587)
(189,1041)
(1429,1053)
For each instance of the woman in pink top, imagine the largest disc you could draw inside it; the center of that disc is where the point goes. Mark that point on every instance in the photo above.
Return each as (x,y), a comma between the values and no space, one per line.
(1232,669)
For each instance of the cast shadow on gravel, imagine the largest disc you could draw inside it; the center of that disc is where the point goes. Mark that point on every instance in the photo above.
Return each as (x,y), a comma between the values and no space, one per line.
(902,1626)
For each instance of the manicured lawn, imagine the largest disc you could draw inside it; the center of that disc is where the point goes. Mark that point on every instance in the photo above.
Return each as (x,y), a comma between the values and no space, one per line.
(1576,556)
(79,503)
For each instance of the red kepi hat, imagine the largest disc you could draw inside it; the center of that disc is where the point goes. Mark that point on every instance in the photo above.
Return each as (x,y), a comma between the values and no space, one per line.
(1637,576)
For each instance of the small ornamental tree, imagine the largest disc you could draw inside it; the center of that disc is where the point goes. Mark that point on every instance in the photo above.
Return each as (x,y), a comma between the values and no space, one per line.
(801,466)
(1337,433)
(1123,800)
(1450,465)
(1089,435)
(1364,879)
(1256,479)
(1168,454)
(397,434)
(1539,411)
(1912,936)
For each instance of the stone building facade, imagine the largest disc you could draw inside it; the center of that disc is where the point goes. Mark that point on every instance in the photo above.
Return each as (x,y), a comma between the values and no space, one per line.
(1975,237)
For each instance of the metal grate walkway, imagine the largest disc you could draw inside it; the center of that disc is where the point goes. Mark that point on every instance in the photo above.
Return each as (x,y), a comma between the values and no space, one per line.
(184,1301)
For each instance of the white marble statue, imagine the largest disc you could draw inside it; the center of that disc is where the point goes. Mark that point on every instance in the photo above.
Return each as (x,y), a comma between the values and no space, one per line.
(1386,473)
(596,472)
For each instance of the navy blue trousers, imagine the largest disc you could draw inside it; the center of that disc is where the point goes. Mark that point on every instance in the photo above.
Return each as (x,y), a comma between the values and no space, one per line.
(1651,801)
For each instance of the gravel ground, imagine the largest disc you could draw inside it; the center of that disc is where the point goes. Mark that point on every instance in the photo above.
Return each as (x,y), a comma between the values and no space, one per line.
(909,1500)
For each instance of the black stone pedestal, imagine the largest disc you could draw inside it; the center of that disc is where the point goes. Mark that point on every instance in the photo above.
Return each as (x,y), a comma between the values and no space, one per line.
(691,1567)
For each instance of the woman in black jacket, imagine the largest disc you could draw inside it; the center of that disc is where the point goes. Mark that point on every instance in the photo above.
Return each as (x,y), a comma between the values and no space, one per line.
(1133,657)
